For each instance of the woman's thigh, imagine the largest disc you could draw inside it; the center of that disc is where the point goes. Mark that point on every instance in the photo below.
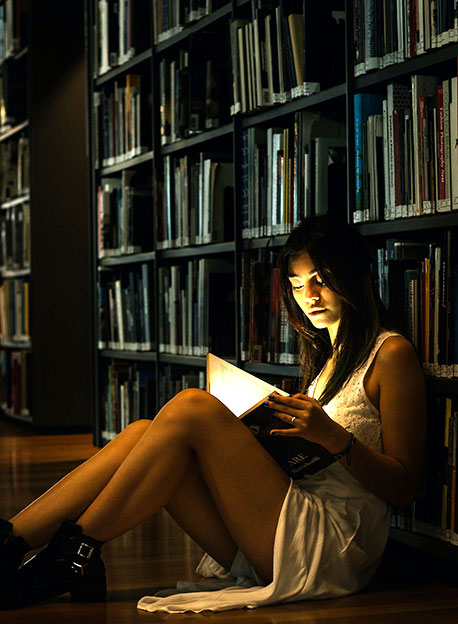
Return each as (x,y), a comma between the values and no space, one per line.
(246,484)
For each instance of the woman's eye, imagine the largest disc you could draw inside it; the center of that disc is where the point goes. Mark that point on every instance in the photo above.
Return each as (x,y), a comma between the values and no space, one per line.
(320,283)
(298,287)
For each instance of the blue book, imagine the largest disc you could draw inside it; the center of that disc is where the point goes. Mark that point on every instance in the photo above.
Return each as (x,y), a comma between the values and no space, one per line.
(365,104)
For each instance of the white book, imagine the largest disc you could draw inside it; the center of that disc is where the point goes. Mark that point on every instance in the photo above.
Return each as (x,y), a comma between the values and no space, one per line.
(257,62)
(295,455)
(242,69)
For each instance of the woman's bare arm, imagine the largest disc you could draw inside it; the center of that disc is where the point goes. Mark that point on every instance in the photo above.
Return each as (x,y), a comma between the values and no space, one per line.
(395,474)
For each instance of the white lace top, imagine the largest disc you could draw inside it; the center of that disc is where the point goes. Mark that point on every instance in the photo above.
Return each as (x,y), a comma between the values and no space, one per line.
(352,408)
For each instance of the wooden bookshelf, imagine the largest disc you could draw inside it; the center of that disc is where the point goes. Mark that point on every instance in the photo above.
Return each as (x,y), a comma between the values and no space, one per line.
(46,371)
(183,133)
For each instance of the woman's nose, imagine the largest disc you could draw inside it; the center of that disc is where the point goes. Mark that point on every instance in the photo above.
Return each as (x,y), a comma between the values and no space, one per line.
(311,294)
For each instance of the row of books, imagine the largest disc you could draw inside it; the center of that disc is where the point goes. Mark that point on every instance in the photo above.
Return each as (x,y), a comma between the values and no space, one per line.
(128,394)
(12,27)
(406,160)
(279,54)
(126,309)
(391,31)
(419,285)
(173,380)
(120,32)
(291,172)
(124,216)
(14,168)
(121,120)
(197,204)
(13,93)
(435,511)
(266,334)
(15,237)
(196,307)
(194,90)
(15,382)
(169,18)
(14,310)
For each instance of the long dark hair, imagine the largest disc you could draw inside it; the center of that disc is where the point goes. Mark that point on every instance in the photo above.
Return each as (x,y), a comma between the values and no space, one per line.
(342,259)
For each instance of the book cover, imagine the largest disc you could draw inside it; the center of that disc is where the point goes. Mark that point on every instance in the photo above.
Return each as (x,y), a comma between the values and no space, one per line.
(296,456)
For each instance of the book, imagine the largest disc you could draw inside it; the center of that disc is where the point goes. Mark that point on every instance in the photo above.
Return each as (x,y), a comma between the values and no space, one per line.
(365,104)
(330,173)
(296,456)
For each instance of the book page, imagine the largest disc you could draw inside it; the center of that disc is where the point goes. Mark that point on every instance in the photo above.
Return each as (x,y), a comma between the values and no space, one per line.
(237,389)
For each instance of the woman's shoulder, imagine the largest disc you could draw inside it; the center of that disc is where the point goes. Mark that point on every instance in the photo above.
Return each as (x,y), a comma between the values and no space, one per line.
(396,356)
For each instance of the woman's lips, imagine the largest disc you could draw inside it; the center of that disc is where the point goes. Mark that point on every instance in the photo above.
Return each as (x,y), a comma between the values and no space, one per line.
(316,312)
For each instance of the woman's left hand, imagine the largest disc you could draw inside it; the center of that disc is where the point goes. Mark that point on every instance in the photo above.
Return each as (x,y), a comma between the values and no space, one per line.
(308,420)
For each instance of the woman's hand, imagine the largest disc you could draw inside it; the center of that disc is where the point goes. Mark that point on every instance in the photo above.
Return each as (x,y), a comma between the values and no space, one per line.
(308,420)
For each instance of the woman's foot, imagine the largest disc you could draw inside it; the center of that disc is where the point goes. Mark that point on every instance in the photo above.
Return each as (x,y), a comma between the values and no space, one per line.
(70,563)
(12,551)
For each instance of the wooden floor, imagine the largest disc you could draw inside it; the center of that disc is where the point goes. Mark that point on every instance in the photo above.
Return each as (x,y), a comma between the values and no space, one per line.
(157,554)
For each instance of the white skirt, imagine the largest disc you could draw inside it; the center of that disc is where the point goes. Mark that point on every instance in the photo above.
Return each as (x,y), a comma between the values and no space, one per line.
(330,537)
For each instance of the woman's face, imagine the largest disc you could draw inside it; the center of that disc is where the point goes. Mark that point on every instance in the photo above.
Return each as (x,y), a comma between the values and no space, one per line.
(320,304)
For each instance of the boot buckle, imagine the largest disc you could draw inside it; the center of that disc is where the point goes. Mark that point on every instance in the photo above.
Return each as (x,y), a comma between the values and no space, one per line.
(78,568)
(85,550)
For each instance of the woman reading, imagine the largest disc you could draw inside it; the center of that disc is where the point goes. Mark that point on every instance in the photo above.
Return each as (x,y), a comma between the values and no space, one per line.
(267,539)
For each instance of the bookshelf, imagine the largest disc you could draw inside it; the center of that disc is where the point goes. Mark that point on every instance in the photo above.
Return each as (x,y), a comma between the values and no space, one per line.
(45,310)
(277,115)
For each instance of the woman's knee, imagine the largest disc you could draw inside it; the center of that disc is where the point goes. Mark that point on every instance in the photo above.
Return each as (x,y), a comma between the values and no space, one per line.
(194,403)
(138,427)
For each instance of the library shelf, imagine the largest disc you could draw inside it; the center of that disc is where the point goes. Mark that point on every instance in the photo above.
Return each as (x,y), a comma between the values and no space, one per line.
(7,133)
(442,385)
(198,139)
(128,163)
(426,543)
(147,256)
(11,274)
(12,344)
(264,242)
(418,64)
(194,28)
(10,203)
(132,63)
(26,418)
(260,368)
(186,360)
(197,250)
(333,96)
(140,356)
(408,225)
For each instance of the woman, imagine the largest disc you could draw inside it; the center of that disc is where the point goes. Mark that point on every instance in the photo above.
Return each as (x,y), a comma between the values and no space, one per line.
(267,539)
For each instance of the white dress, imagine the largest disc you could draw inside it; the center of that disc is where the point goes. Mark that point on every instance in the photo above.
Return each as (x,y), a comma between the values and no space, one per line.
(330,535)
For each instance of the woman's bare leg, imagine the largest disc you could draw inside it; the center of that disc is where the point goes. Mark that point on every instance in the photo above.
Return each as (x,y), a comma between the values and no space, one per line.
(70,496)
(194,509)
(245,483)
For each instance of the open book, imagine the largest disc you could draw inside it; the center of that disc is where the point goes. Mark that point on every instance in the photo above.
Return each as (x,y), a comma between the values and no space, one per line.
(244,394)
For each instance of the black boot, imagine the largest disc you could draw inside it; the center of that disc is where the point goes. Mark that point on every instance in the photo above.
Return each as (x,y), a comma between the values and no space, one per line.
(70,563)
(12,551)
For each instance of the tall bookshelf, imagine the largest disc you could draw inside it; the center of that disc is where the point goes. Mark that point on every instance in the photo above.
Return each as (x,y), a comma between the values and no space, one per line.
(233,152)
(46,306)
